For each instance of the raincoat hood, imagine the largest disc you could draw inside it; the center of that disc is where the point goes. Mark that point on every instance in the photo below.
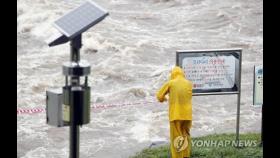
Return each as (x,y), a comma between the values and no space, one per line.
(176,72)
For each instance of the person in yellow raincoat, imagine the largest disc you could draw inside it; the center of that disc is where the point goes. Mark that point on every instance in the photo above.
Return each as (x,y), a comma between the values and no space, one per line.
(180,112)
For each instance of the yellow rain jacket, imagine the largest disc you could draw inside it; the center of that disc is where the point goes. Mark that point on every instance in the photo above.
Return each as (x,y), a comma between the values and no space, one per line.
(180,95)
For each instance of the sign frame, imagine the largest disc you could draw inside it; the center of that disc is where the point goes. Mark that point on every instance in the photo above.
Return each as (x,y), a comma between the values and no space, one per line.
(237,52)
(238,78)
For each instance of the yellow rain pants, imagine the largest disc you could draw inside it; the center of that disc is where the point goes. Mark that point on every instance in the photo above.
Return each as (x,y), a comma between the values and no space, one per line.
(180,140)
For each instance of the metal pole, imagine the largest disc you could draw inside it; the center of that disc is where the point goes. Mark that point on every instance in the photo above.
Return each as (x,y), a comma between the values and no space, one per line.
(74,139)
(75,45)
(262,129)
(238,101)
(237,119)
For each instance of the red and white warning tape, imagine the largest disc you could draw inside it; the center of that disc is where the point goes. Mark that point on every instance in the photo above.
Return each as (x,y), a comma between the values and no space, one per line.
(95,106)
(30,111)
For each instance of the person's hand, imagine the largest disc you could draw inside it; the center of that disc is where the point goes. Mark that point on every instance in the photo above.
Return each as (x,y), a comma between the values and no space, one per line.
(162,100)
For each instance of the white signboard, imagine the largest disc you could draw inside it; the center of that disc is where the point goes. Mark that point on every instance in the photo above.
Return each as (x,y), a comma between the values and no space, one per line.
(258,85)
(211,71)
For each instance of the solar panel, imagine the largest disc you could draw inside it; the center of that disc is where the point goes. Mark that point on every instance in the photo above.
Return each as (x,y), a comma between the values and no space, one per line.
(80,19)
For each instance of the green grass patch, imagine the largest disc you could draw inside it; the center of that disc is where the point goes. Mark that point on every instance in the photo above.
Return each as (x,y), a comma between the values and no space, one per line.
(223,146)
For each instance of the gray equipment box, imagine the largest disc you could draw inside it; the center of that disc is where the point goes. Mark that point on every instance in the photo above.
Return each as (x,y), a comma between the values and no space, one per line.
(57,113)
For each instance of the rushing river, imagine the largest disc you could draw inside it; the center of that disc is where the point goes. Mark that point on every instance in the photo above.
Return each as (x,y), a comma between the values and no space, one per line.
(131,53)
